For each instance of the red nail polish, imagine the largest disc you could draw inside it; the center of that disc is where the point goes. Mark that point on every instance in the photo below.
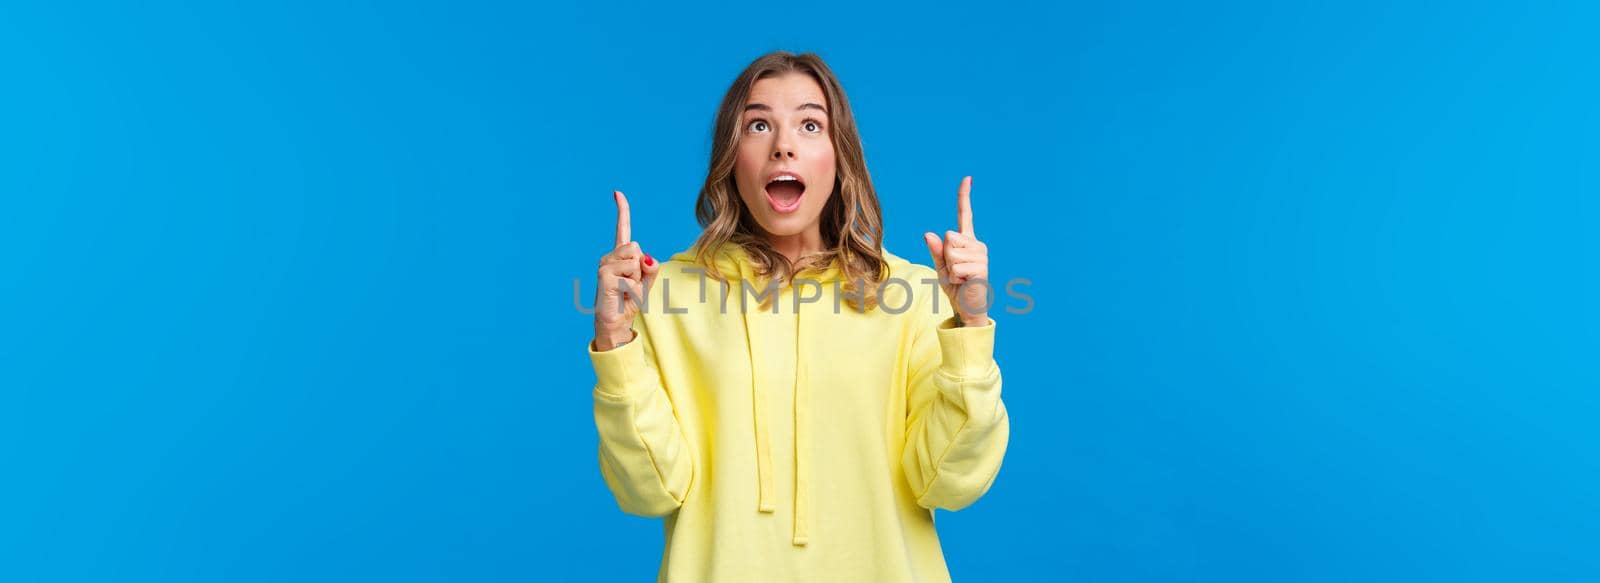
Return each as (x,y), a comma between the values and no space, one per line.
(648,260)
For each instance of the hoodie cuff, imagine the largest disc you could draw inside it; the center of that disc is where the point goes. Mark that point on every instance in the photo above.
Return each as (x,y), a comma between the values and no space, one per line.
(968,351)
(620,369)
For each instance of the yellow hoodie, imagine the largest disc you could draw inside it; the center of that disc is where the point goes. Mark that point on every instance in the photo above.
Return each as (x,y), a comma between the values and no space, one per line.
(811,444)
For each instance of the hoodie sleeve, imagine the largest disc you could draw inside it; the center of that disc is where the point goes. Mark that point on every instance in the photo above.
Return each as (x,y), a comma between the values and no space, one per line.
(956,425)
(644,456)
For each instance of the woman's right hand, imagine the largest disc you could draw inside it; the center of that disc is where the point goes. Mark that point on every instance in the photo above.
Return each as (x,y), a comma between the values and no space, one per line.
(625,277)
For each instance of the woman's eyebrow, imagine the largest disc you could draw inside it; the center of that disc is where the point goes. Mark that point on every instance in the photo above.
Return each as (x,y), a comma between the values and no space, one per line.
(765,107)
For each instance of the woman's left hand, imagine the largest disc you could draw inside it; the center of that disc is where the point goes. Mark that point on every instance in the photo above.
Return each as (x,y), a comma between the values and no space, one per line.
(963,263)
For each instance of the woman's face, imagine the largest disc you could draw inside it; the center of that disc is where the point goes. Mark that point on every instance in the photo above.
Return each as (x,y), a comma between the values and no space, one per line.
(785,164)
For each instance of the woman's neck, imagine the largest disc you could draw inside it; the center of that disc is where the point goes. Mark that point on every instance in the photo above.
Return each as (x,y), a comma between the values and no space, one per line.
(798,245)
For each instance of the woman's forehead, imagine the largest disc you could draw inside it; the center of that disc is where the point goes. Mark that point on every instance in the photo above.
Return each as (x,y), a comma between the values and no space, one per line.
(787,92)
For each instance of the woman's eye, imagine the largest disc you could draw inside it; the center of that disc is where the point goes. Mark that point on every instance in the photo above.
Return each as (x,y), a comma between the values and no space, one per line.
(757,126)
(812,127)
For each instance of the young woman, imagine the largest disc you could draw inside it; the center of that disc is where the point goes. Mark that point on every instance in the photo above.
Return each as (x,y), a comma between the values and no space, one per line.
(793,398)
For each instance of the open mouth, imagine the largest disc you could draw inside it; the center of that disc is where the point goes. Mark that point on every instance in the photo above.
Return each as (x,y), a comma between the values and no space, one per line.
(784,192)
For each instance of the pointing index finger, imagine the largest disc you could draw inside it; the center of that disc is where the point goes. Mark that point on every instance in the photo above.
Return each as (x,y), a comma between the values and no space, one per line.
(624,223)
(964,206)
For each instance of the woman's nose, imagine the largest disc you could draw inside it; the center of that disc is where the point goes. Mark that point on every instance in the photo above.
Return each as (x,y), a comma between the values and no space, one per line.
(782,152)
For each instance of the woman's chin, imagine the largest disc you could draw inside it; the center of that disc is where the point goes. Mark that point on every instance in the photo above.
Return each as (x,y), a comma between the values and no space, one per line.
(786,225)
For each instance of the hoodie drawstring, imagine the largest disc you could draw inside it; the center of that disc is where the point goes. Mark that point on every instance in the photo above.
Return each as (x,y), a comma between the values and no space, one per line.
(764,470)
(800,399)
(734,262)
(763,442)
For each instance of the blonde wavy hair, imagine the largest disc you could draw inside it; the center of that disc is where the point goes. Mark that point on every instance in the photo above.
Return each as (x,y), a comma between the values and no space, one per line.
(852,222)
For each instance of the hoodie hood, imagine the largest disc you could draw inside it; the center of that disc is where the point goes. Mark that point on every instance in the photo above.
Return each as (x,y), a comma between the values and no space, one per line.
(735,264)
(789,329)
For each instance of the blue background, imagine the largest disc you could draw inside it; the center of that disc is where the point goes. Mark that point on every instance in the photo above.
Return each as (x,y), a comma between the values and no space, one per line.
(287,291)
